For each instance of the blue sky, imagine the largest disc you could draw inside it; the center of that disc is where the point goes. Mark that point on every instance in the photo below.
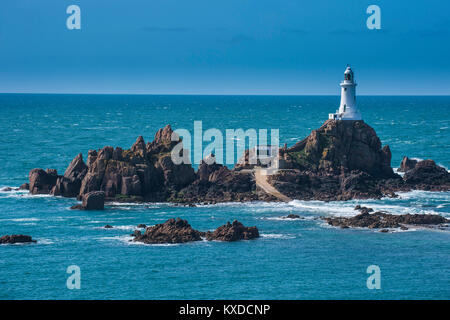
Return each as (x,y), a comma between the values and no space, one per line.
(224,47)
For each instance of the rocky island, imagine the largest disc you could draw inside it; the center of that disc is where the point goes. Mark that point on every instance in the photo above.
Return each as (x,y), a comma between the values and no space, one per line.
(341,160)
(180,231)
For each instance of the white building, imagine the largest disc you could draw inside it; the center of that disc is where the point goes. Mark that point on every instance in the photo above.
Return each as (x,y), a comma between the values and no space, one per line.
(347,109)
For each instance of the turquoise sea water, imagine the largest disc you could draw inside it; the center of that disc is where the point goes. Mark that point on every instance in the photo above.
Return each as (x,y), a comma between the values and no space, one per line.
(294,259)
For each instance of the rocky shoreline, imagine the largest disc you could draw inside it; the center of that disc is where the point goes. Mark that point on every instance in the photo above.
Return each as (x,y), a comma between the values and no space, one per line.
(341,160)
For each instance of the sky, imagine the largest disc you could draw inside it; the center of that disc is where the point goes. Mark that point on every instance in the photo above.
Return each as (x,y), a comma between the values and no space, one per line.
(285,47)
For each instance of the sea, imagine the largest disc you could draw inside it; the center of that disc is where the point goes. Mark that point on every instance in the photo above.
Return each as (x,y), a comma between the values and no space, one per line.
(293,259)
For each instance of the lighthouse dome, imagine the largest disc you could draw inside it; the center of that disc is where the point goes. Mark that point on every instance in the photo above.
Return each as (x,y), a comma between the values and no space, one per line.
(348,74)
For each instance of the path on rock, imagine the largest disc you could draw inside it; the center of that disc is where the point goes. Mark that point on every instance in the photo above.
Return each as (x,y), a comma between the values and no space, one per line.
(261,181)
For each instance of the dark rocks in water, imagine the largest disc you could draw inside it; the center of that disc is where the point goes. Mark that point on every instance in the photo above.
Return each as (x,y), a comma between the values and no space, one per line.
(233,232)
(24,186)
(94,200)
(407,164)
(180,231)
(171,231)
(426,175)
(42,182)
(108,226)
(363,209)
(16,238)
(6,189)
(69,184)
(292,216)
(141,225)
(383,220)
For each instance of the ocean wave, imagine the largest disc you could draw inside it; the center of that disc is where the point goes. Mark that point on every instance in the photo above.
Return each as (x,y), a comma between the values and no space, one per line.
(277,236)
(126,227)
(21,219)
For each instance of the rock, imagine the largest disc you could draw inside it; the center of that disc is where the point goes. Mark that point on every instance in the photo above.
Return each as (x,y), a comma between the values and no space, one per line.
(171,231)
(69,185)
(42,182)
(426,175)
(384,230)
(383,220)
(16,238)
(292,216)
(94,200)
(24,186)
(407,164)
(139,147)
(6,189)
(343,146)
(363,209)
(141,225)
(207,167)
(176,176)
(233,232)
(162,141)
(108,226)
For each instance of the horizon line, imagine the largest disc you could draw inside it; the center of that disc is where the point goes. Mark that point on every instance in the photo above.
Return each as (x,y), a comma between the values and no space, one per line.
(219,94)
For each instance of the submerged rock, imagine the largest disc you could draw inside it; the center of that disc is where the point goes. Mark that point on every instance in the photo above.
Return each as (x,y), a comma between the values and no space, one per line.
(233,232)
(16,238)
(108,226)
(171,231)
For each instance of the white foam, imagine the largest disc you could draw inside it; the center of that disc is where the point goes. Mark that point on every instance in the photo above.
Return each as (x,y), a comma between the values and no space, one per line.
(128,227)
(277,236)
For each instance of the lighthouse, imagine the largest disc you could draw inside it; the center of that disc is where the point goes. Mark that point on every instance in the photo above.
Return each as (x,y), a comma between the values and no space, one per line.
(347,109)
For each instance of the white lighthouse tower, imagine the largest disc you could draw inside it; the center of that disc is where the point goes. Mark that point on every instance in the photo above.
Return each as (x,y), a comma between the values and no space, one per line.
(347,109)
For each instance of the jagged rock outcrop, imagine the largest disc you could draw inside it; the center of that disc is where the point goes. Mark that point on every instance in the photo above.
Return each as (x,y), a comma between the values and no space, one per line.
(171,231)
(69,184)
(42,182)
(407,164)
(233,232)
(426,175)
(16,238)
(343,146)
